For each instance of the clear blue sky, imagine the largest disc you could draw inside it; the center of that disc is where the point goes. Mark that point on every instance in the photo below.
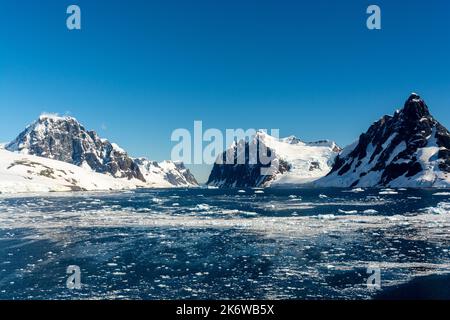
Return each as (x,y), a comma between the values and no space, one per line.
(140,69)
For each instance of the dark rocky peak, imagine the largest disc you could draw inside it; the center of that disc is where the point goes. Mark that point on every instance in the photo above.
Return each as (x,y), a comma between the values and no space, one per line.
(415,109)
(65,139)
(410,148)
(292,140)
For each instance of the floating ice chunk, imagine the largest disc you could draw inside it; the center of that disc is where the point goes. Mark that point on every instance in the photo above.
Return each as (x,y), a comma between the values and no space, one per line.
(294,198)
(202,206)
(387,192)
(326,216)
(356,190)
(232,211)
(442,208)
(348,212)
(441,194)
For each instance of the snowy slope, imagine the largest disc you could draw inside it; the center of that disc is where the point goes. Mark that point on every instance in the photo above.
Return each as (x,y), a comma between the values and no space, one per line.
(408,149)
(21,173)
(295,163)
(165,174)
(66,140)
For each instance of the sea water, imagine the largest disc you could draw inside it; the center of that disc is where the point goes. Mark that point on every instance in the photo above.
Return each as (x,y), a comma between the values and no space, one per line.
(222,244)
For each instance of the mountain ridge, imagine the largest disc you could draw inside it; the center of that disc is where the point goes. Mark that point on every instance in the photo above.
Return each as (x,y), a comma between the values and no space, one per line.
(63,138)
(294,162)
(408,149)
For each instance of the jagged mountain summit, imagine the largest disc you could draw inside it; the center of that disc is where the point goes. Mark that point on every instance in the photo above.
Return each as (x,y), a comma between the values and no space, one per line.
(294,162)
(65,139)
(408,149)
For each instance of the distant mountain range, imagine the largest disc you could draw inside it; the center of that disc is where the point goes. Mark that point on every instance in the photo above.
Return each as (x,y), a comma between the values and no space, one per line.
(408,149)
(64,139)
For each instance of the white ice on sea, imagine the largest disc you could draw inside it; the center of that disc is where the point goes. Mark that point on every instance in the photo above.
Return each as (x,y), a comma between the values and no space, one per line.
(29,215)
(441,194)
(160,221)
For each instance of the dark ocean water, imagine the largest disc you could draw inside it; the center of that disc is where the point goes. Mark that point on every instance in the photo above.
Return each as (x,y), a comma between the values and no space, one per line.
(224,244)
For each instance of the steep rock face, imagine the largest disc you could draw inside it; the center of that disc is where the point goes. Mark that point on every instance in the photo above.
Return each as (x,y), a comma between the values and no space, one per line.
(408,149)
(293,162)
(65,139)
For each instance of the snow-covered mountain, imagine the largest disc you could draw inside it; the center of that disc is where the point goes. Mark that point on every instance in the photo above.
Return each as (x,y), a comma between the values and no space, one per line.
(408,149)
(294,162)
(170,173)
(22,173)
(65,139)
